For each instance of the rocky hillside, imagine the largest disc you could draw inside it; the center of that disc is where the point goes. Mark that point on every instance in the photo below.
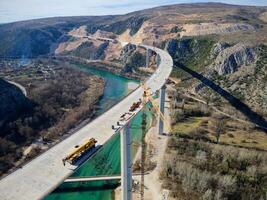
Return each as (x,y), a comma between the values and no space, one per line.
(230,59)
(13,102)
(41,37)
(218,40)
(239,68)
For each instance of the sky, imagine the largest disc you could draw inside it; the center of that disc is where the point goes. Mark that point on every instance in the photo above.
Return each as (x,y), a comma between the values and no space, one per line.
(17,10)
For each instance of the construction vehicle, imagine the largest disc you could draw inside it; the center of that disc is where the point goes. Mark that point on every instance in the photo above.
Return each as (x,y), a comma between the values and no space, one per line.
(79,151)
(135,106)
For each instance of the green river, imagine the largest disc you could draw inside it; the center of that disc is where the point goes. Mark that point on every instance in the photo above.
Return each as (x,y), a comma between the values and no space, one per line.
(107,160)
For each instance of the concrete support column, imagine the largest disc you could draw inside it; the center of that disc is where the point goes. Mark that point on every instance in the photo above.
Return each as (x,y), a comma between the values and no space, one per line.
(158,60)
(161,108)
(126,167)
(147,57)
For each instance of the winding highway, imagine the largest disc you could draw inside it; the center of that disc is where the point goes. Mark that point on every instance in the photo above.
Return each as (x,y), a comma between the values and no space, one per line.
(42,175)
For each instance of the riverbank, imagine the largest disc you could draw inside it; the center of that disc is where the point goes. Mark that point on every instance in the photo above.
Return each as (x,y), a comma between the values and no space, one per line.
(61,98)
(113,67)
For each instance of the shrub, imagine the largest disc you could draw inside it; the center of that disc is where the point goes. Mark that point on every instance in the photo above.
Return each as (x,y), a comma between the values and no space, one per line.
(215,171)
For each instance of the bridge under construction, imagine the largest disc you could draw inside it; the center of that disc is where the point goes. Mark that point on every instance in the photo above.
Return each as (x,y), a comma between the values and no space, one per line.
(42,175)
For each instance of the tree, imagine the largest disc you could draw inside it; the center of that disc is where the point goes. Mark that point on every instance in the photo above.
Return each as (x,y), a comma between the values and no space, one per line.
(218,127)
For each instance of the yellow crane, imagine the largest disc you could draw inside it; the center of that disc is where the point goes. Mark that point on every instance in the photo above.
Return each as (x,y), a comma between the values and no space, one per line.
(76,153)
(148,97)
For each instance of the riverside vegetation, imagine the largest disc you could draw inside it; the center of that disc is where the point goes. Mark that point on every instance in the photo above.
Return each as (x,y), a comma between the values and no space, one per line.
(60,97)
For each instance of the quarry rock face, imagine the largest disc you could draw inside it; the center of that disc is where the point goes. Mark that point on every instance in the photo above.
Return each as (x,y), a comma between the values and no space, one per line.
(230,59)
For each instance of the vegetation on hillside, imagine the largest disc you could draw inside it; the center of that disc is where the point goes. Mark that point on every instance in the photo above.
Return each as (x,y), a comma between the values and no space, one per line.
(60,102)
(211,156)
(193,53)
(119,25)
(136,60)
(199,170)
(89,51)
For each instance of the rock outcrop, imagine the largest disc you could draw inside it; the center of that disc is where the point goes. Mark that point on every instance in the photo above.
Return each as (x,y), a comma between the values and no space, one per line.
(218,47)
(230,59)
(126,52)
(179,48)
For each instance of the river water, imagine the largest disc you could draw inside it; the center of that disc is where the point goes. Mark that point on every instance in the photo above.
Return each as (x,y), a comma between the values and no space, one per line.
(107,160)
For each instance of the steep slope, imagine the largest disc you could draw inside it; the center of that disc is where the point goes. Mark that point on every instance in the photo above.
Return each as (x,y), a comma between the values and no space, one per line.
(13,102)
(38,37)
(41,37)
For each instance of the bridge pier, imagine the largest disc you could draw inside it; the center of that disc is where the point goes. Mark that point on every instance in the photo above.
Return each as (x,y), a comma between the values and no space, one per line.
(126,167)
(161,108)
(158,60)
(148,52)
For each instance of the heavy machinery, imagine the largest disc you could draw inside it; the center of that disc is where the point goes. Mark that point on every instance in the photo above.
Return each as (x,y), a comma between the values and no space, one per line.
(135,106)
(79,151)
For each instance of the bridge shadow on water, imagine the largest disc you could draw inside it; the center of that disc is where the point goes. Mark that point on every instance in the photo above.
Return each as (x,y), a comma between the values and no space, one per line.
(86,187)
(235,102)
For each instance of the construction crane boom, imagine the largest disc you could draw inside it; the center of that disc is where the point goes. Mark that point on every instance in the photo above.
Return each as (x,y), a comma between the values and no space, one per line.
(155,105)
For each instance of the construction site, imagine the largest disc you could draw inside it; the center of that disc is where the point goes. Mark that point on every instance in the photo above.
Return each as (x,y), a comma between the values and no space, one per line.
(117,120)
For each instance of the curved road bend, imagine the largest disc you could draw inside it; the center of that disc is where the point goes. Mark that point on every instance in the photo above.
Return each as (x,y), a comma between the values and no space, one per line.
(23,90)
(42,175)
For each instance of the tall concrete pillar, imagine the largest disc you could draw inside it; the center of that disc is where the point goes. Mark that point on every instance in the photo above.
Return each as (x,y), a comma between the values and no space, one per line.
(161,108)
(158,60)
(147,57)
(126,168)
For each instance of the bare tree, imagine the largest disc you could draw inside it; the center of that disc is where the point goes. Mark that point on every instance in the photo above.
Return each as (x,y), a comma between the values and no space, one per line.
(218,127)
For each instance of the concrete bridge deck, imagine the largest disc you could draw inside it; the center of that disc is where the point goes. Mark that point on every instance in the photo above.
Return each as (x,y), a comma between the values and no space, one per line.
(42,175)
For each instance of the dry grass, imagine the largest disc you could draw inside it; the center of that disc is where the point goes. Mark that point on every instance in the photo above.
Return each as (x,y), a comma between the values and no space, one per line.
(263,17)
(188,125)
(213,171)
(250,138)
(238,136)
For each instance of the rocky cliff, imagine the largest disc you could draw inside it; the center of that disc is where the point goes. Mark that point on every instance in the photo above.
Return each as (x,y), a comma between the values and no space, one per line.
(231,59)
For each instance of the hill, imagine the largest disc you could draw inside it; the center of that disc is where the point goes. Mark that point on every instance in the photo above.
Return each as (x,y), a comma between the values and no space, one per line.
(42,36)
